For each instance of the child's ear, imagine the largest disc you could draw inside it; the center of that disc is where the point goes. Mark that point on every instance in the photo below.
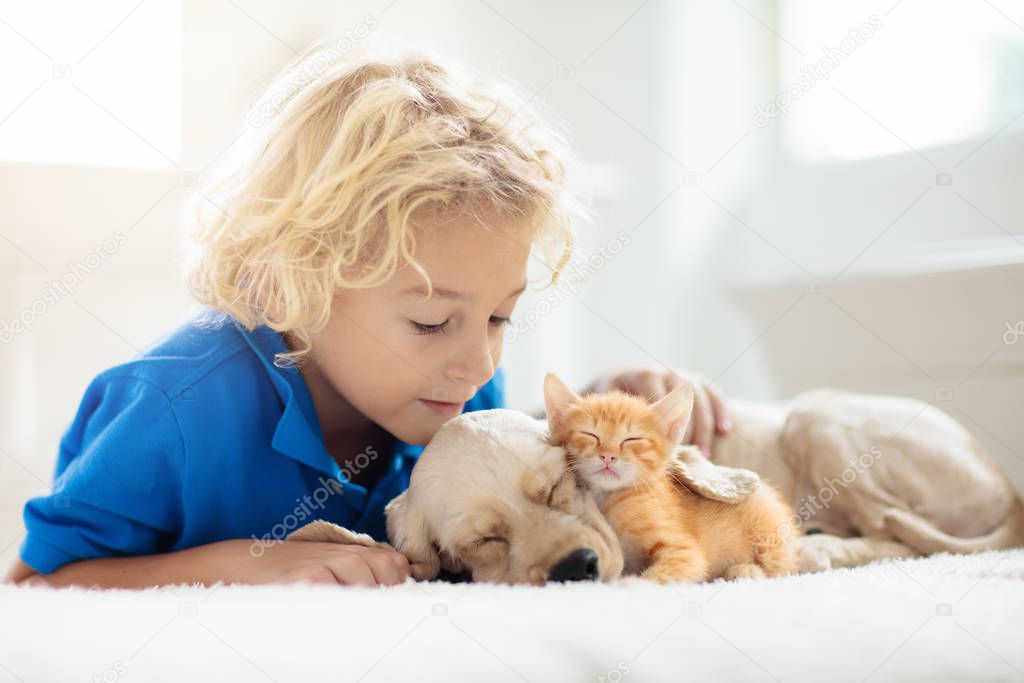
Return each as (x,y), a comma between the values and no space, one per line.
(673,411)
(558,398)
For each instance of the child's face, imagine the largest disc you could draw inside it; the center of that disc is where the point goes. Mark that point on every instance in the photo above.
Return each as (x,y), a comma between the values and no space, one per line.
(408,363)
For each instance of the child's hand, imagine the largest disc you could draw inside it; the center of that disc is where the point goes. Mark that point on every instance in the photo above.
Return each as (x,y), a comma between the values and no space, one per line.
(710,416)
(330,563)
(232,561)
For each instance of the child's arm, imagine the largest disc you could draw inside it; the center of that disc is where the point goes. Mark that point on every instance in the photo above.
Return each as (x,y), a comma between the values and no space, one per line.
(230,562)
(117,502)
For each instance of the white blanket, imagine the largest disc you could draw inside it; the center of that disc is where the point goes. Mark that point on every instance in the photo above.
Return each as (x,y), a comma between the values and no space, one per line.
(946,617)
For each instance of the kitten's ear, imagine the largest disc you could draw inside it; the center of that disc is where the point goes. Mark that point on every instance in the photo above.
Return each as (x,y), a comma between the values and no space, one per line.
(558,398)
(673,411)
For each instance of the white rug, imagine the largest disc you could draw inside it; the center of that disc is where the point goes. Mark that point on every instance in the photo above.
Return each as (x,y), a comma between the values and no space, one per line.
(954,618)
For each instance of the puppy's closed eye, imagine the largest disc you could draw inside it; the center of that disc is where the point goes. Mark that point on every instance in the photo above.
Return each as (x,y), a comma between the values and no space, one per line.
(490,531)
(489,539)
(486,548)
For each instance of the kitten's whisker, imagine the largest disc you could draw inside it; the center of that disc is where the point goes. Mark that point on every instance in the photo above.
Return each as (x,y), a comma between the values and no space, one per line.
(680,482)
(653,493)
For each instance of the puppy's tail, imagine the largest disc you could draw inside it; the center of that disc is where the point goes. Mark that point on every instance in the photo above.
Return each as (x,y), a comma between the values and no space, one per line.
(923,536)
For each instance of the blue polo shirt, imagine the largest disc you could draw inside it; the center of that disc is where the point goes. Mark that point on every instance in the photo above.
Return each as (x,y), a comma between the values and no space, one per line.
(202,439)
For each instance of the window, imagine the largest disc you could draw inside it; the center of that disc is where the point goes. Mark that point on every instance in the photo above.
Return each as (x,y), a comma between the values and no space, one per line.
(91,83)
(900,75)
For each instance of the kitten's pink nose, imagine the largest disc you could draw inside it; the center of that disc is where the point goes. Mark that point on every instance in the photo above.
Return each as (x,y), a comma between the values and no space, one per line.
(607,458)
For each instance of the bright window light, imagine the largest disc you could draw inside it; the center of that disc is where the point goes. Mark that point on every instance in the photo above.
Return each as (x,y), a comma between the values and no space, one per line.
(91,83)
(902,76)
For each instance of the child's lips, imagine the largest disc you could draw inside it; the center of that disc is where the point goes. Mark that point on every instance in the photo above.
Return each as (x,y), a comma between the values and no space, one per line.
(443,407)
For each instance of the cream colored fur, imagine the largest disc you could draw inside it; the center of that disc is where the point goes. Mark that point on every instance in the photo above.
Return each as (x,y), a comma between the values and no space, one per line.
(901,477)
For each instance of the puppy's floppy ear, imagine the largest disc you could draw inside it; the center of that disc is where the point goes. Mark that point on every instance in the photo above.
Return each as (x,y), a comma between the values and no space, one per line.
(673,411)
(322,531)
(693,471)
(558,398)
(408,531)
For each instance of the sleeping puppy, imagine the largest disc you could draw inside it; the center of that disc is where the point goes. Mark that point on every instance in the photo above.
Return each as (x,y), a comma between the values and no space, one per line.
(490,496)
(878,476)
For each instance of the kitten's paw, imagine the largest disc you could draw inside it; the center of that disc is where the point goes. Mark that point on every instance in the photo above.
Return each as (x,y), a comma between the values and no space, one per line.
(663,574)
(744,571)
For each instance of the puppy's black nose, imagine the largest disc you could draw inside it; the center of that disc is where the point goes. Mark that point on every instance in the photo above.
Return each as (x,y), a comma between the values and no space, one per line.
(579,565)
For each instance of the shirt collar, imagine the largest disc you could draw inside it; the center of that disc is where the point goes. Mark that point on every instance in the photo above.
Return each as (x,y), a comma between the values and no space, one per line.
(298,432)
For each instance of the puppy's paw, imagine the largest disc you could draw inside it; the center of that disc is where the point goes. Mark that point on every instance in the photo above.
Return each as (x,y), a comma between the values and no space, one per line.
(426,570)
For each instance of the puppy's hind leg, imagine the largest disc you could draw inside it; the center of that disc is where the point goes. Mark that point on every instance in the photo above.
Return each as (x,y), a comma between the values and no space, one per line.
(821,552)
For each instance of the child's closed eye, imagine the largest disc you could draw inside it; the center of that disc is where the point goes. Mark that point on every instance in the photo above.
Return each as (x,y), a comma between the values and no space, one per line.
(427,328)
(442,327)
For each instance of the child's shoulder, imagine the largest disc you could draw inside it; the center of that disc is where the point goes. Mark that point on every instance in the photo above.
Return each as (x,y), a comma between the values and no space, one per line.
(199,350)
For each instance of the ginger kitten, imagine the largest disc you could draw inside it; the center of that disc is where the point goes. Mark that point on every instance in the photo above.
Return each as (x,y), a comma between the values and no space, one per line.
(625,450)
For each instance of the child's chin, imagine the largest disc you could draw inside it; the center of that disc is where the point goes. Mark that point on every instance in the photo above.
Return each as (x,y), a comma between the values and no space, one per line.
(416,434)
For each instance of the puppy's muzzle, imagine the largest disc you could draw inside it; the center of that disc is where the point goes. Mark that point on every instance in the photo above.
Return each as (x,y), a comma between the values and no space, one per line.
(579,565)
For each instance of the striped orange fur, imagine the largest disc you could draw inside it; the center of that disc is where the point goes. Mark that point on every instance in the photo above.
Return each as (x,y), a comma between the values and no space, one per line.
(622,447)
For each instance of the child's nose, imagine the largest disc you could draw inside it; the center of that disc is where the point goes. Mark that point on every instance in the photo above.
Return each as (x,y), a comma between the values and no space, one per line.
(473,363)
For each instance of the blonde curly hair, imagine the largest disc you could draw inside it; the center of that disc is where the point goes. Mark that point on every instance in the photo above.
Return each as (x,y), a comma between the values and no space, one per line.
(336,166)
